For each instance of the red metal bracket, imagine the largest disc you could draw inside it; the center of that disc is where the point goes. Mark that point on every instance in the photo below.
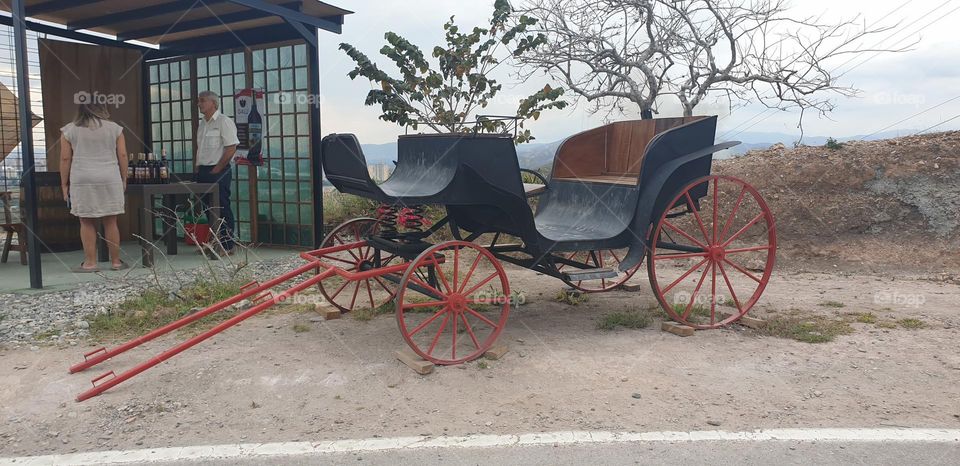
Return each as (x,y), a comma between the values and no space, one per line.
(103,376)
(102,349)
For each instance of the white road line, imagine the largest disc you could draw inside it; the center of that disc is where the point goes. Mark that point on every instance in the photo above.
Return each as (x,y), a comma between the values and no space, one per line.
(283,449)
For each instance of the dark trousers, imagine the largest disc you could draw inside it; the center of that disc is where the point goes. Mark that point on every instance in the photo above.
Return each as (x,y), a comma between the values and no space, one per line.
(223,179)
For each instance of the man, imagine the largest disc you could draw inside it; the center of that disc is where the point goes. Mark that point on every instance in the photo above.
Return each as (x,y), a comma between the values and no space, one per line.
(216,144)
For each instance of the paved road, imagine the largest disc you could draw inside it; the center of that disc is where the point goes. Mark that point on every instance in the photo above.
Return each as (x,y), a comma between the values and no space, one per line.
(777,446)
(778,453)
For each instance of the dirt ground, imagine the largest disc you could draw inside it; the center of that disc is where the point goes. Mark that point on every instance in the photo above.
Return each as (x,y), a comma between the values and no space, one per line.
(263,382)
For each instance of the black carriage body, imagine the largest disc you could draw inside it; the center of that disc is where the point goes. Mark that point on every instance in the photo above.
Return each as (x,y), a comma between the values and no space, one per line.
(606,188)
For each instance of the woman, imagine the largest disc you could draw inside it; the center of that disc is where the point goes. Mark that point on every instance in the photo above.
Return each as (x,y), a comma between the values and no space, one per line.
(93,170)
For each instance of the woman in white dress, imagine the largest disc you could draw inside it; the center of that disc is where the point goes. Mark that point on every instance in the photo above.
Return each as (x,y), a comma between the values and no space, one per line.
(93,171)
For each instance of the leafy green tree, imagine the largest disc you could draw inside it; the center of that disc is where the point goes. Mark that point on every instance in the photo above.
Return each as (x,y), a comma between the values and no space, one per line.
(446,95)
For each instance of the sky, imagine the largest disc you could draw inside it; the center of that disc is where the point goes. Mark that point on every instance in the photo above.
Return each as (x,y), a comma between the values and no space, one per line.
(893,86)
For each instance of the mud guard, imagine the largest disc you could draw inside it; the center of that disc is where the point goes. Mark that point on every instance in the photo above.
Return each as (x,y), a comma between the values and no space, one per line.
(651,191)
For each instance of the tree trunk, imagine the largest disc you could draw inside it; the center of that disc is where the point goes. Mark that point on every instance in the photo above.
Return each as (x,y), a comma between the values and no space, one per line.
(646,114)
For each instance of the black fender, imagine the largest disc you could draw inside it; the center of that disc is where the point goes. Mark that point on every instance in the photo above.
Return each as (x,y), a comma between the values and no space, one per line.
(650,194)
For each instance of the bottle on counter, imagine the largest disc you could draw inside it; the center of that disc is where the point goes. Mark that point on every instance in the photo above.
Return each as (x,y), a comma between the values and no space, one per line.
(131,171)
(142,168)
(164,169)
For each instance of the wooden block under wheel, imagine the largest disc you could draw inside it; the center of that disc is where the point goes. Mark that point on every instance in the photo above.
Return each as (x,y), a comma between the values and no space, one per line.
(496,352)
(328,312)
(677,329)
(415,362)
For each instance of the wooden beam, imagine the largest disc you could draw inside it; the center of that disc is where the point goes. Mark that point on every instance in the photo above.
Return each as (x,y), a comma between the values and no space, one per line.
(286,13)
(183,26)
(139,13)
(74,35)
(54,5)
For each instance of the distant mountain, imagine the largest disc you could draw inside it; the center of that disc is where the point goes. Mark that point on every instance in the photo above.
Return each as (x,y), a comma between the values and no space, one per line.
(533,155)
(536,155)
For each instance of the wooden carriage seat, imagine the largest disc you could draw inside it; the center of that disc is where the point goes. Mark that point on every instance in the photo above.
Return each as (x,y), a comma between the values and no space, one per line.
(612,153)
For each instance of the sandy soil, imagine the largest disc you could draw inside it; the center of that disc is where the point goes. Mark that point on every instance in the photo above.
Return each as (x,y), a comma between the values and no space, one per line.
(263,382)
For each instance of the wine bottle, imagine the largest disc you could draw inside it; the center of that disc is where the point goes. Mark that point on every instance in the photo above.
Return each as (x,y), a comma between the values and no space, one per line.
(254,133)
(164,169)
(131,171)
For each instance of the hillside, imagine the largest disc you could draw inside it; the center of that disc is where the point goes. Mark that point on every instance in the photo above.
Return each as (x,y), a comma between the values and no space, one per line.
(866,205)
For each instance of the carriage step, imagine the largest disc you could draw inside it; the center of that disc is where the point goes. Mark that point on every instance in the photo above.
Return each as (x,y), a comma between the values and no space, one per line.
(589,274)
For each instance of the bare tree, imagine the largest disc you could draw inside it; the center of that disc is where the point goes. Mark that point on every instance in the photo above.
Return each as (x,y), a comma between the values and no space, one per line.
(612,52)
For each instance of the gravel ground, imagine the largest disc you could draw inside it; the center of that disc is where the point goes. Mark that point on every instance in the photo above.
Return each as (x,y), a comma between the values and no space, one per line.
(60,317)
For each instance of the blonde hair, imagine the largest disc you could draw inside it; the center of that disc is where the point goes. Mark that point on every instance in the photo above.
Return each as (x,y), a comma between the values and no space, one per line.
(90,115)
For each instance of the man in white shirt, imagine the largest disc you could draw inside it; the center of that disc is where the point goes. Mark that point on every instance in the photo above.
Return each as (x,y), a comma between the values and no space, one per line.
(216,144)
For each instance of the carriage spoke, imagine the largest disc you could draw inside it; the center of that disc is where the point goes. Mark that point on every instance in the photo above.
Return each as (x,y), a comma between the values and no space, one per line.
(742,230)
(693,296)
(741,269)
(382,285)
(696,214)
(326,256)
(355,292)
(424,284)
(456,266)
(716,207)
(684,234)
(466,278)
(682,255)
(733,294)
(675,282)
(481,317)
(335,293)
(473,337)
(443,277)
(733,214)
(453,345)
(436,338)
(755,248)
(713,293)
(478,285)
(424,304)
(370,294)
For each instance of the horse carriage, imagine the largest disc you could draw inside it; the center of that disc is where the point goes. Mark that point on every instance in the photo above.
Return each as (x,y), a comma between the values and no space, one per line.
(616,195)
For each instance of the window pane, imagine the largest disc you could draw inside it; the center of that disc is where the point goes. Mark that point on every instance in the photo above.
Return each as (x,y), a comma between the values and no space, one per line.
(226,64)
(286,79)
(238,60)
(202,67)
(273,81)
(292,214)
(303,126)
(213,66)
(286,56)
(271,58)
(154,73)
(185,85)
(301,78)
(258,60)
(175,71)
(300,54)
(164,72)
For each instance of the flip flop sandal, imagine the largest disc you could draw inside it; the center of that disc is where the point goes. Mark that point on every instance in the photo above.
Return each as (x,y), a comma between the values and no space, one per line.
(123,265)
(81,269)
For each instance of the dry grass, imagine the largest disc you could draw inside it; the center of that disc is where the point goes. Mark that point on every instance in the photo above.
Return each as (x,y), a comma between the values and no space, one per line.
(808,329)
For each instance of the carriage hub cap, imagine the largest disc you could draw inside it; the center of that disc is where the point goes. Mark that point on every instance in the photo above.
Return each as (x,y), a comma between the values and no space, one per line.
(457,301)
(716,253)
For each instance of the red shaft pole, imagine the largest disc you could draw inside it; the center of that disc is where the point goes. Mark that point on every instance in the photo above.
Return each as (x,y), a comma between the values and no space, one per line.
(98,389)
(189,319)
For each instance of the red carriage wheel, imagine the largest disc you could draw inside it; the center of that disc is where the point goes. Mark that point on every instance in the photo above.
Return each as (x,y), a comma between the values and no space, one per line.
(453,302)
(712,253)
(607,258)
(349,295)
